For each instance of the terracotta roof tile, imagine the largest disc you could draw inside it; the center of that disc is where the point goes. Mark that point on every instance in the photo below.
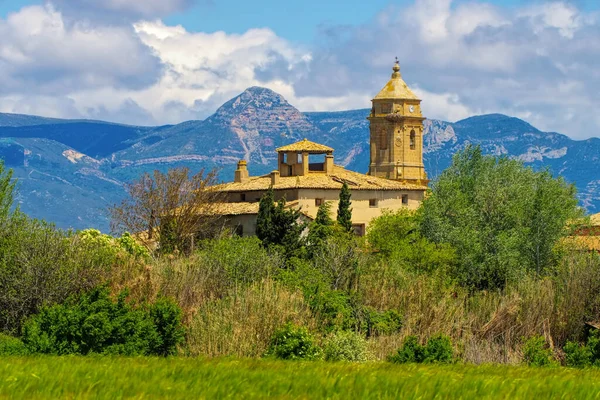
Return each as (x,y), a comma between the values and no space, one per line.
(306,145)
(320,180)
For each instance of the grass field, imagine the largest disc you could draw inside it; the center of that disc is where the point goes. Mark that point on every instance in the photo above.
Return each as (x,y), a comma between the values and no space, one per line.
(113,378)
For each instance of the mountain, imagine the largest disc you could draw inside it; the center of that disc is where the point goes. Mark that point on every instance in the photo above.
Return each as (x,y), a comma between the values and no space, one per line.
(70,171)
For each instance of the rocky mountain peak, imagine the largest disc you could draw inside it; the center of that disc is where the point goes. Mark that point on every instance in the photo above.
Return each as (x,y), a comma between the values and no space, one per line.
(263,110)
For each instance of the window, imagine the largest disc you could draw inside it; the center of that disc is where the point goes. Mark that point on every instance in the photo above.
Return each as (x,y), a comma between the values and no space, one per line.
(318,202)
(359,229)
(285,158)
(372,202)
(413,140)
(405,199)
(299,159)
(242,196)
(239,230)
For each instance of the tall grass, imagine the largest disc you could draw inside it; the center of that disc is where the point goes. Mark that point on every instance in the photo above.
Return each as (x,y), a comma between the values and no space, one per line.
(185,378)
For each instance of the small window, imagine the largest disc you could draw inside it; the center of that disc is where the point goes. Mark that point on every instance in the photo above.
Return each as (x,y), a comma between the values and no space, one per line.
(359,229)
(405,199)
(318,202)
(242,196)
(413,140)
(299,158)
(285,158)
(239,230)
(372,202)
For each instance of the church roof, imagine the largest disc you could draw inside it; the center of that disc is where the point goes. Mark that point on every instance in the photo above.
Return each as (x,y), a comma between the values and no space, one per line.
(396,88)
(355,181)
(307,146)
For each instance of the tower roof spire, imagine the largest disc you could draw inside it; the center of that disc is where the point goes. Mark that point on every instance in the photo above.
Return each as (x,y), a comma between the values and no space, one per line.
(396,88)
(396,70)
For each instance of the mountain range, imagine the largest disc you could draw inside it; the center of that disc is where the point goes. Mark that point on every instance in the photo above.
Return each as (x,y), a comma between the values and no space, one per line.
(70,171)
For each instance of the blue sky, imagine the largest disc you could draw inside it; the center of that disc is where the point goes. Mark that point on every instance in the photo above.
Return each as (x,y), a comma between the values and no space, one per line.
(156,61)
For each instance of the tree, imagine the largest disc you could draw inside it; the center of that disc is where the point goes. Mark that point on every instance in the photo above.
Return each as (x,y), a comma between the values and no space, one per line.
(176,206)
(264,220)
(7,190)
(397,238)
(503,219)
(320,229)
(344,215)
(277,225)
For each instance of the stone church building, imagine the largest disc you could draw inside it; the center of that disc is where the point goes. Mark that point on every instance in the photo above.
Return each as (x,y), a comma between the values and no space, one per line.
(307,176)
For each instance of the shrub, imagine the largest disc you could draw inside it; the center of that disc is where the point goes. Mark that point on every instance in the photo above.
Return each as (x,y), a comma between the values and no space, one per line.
(577,355)
(95,323)
(11,346)
(43,265)
(333,309)
(383,323)
(583,355)
(536,352)
(293,343)
(437,350)
(346,346)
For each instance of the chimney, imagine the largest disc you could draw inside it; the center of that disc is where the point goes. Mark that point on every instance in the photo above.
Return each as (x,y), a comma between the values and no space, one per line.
(274,178)
(329,164)
(241,173)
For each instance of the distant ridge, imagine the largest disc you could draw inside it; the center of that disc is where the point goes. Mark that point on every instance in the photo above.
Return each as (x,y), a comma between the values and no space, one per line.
(69,171)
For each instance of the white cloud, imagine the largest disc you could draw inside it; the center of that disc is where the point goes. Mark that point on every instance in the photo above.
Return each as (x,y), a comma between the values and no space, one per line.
(538,61)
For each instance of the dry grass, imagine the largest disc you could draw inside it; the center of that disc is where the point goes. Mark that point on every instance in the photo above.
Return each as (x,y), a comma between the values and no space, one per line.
(242,324)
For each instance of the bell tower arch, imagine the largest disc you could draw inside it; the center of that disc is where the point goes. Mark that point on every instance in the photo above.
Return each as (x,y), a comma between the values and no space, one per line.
(396,133)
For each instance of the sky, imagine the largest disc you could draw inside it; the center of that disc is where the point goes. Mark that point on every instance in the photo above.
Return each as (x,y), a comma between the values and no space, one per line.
(151,62)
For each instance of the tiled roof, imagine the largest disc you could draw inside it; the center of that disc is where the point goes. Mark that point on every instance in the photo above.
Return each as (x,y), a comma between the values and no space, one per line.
(242,208)
(320,180)
(396,88)
(306,145)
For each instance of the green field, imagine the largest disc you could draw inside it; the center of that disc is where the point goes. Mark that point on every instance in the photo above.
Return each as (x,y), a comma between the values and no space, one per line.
(112,378)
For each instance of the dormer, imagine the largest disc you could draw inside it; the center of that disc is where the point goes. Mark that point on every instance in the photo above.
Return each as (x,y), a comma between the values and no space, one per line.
(303,158)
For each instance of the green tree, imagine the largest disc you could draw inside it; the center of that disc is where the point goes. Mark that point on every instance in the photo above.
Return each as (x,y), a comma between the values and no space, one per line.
(397,238)
(277,225)
(320,229)
(503,219)
(265,230)
(344,215)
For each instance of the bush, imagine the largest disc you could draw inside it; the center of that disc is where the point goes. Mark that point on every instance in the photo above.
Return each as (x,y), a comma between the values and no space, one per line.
(97,324)
(11,346)
(346,346)
(167,317)
(537,353)
(43,265)
(437,350)
(383,323)
(577,355)
(583,355)
(293,343)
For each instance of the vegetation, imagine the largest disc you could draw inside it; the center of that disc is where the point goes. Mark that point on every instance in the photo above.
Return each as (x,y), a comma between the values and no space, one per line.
(503,219)
(109,378)
(537,352)
(344,214)
(293,343)
(95,323)
(437,350)
(479,267)
(173,209)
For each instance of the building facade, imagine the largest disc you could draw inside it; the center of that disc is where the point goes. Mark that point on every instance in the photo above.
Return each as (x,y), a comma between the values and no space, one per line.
(306,175)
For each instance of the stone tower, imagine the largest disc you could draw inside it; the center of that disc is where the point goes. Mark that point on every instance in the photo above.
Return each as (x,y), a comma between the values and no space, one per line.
(396,126)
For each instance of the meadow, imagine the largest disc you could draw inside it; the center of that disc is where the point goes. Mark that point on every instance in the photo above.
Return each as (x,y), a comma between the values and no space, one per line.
(116,377)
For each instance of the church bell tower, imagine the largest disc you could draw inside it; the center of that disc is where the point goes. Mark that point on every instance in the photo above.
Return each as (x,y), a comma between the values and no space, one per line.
(396,128)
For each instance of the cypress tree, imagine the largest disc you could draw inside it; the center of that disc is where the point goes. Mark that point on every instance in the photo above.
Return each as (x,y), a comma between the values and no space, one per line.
(344,215)
(265,229)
